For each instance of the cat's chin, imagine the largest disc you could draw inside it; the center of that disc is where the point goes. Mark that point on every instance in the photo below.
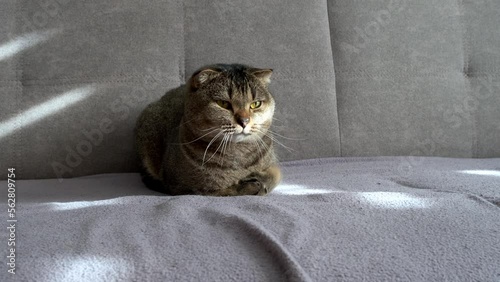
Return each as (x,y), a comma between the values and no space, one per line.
(241,137)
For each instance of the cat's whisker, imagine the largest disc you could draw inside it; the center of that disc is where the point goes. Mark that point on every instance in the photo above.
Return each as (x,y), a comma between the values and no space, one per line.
(270,136)
(231,139)
(277,119)
(208,146)
(190,120)
(228,140)
(224,147)
(203,130)
(281,144)
(258,142)
(258,147)
(218,147)
(266,147)
(215,129)
(221,145)
(221,155)
(277,134)
(288,138)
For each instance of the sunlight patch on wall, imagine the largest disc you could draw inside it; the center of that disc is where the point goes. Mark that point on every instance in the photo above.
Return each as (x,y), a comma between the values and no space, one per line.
(44,109)
(24,42)
(392,200)
(482,172)
(292,189)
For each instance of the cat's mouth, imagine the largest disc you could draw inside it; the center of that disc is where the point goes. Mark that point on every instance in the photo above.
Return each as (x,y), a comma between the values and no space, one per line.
(242,134)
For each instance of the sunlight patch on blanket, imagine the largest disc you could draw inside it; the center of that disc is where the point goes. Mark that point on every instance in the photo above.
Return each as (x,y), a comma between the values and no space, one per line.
(81,205)
(482,172)
(392,200)
(292,189)
(24,42)
(90,268)
(44,109)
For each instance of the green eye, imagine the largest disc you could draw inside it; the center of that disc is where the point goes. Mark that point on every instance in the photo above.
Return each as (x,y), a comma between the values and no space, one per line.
(223,104)
(255,105)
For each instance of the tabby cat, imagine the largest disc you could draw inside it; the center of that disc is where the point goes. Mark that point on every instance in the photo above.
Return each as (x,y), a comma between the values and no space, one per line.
(210,136)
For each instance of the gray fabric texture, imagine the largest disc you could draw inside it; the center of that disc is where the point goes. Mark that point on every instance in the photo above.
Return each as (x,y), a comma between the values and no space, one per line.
(339,219)
(483,74)
(417,77)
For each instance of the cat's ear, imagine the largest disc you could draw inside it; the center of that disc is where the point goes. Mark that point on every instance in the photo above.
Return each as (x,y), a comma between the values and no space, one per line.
(263,74)
(203,76)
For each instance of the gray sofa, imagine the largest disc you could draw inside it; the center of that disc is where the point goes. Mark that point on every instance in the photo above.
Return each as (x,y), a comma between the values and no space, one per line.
(389,112)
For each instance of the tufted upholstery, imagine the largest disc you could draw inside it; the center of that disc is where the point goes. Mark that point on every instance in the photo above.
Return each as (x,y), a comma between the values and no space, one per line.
(352,78)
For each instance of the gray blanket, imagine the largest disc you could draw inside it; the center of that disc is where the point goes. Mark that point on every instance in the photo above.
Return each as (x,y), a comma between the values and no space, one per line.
(339,219)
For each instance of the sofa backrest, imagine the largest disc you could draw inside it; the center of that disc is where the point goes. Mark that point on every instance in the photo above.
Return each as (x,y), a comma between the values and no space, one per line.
(352,78)
(417,77)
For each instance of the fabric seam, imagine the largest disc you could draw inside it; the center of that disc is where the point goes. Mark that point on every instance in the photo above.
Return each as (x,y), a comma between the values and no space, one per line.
(335,80)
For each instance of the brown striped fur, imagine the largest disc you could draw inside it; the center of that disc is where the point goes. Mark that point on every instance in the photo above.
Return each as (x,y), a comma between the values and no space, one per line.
(205,138)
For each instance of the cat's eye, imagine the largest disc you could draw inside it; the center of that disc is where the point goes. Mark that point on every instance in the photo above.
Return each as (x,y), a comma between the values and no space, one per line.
(256,105)
(223,104)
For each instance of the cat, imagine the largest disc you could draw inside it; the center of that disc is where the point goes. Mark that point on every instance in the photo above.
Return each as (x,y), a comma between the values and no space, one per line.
(210,136)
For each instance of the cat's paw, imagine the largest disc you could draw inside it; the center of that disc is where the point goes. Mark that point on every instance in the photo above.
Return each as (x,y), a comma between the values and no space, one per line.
(252,185)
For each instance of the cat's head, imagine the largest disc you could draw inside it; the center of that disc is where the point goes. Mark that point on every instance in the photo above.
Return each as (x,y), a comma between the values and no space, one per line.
(231,99)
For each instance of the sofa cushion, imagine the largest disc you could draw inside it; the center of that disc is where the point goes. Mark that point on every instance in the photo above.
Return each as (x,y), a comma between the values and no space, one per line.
(417,78)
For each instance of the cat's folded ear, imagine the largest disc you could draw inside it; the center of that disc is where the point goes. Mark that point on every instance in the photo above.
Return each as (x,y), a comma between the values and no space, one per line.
(263,74)
(202,76)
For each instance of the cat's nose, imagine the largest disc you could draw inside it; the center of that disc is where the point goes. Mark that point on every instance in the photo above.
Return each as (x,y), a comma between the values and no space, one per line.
(243,121)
